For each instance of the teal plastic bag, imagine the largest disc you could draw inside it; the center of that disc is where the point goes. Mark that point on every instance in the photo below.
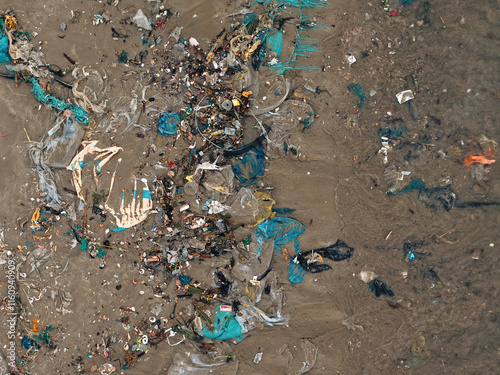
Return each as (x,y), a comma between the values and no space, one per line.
(225,327)
(4,49)
(359,92)
(280,229)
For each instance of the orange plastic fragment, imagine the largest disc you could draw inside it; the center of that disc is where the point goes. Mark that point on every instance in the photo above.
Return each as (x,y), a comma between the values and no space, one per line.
(34,327)
(486,158)
(286,254)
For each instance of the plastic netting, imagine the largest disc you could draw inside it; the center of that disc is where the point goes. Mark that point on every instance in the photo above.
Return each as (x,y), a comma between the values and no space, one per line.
(80,114)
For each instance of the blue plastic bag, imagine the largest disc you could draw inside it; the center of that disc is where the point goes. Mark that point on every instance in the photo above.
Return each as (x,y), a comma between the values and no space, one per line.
(251,165)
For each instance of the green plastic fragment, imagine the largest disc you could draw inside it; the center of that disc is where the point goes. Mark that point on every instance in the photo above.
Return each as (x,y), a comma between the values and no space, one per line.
(416,184)
(84,245)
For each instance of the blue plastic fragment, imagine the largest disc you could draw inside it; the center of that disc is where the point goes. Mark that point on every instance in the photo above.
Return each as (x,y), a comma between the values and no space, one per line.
(4,49)
(185,279)
(146,194)
(117,229)
(392,133)
(274,42)
(296,272)
(416,184)
(169,124)
(28,343)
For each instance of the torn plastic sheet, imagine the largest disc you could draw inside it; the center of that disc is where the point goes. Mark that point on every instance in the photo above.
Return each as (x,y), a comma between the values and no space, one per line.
(251,165)
(89,90)
(313,260)
(46,183)
(54,151)
(250,316)
(214,362)
(251,208)
(135,212)
(227,325)
(102,157)
(59,150)
(280,229)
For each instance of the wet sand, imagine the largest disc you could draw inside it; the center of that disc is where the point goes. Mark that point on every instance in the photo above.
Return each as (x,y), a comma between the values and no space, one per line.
(443,321)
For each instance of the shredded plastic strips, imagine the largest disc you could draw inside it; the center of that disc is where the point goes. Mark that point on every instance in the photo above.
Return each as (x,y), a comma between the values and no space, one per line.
(46,183)
(102,157)
(303,47)
(136,211)
(89,90)
(59,149)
